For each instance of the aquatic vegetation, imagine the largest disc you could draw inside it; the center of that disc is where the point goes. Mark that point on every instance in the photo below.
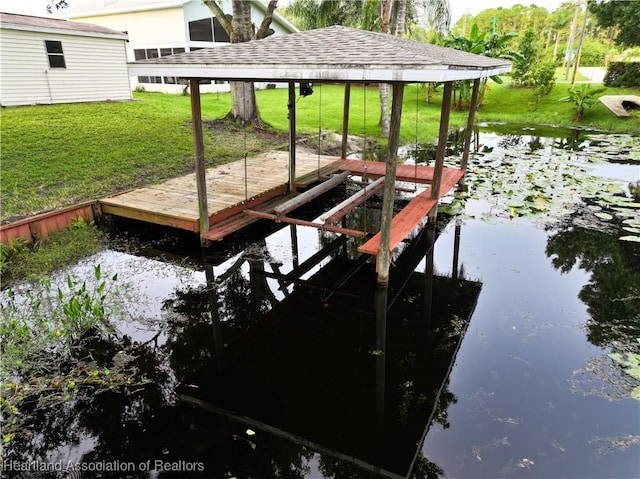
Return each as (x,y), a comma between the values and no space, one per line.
(528,176)
(58,343)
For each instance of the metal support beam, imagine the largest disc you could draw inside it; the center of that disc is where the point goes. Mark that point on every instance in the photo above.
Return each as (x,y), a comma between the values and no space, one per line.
(384,253)
(198,143)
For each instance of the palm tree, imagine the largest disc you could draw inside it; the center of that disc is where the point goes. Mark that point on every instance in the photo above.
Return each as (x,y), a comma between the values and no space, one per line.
(388,16)
(558,21)
(393,19)
(244,108)
(493,45)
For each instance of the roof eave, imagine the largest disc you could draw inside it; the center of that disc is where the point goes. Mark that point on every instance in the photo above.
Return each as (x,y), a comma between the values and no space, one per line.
(340,73)
(63,31)
(106,11)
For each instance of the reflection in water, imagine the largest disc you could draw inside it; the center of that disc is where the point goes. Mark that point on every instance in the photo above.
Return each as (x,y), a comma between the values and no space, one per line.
(612,296)
(357,378)
(334,378)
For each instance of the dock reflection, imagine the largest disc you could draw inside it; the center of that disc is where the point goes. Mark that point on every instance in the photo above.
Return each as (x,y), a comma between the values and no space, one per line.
(355,374)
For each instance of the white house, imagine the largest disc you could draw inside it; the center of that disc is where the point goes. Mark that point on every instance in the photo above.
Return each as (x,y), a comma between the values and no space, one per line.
(47,60)
(158,28)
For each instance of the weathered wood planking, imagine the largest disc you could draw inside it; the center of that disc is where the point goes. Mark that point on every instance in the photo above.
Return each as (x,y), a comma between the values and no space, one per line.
(412,214)
(174,202)
(376,169)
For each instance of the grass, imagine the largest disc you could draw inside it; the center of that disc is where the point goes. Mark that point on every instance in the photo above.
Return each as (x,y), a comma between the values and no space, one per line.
(21,260)
(57,155)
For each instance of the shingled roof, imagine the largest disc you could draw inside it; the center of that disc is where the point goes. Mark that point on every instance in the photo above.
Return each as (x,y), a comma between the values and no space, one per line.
(332,54)
(54,25)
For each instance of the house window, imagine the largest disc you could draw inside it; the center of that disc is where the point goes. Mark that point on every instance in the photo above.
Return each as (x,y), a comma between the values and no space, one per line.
(201,30)
(147,53)
(208,30)
(220,34)
(55,54)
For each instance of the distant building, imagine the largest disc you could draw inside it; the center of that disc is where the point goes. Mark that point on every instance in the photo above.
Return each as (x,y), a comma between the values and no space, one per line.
(158,28)
(46,60)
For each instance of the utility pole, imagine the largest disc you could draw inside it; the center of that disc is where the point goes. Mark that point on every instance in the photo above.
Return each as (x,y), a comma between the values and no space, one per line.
(572,37)
(579,54)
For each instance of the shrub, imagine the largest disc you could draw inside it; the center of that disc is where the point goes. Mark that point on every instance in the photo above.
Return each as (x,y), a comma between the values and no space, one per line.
(623,74)
(582,98)
(543,77)
(593,53)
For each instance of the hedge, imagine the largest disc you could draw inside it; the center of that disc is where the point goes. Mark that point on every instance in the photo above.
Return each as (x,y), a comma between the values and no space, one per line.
(623,74)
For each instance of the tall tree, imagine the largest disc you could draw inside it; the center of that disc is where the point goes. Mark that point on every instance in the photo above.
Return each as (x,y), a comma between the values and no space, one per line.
(622,15)
(558,23)
(244,108)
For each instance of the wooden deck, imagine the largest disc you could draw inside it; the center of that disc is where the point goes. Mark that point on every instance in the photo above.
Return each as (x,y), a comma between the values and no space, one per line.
(175,201)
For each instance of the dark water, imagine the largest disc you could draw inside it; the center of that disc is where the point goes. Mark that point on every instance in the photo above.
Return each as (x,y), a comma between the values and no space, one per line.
(275,356)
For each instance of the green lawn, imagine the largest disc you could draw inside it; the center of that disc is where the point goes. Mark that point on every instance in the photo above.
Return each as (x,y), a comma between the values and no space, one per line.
(57,155)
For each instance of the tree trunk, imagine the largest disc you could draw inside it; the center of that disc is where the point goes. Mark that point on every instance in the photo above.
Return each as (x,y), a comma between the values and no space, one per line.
(244,108)
(557,45)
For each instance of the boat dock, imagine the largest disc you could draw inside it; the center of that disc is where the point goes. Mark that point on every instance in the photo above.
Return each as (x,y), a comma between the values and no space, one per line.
(241,192)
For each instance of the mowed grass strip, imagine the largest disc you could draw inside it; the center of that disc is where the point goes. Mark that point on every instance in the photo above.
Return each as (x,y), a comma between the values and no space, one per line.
(58,155)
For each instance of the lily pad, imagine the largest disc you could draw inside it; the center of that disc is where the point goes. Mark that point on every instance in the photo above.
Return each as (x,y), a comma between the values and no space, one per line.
(633,239)
(631,230)
(635,394)
(603,216)
(635,372)
(626,360)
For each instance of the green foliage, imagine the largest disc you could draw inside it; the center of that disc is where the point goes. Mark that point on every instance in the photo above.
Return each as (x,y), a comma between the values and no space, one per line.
(515,19)
(582,97)
(12,253)
(480,43)
(543,77)
(311,14)
(47,335)
(623,74)
(529,54)
(593,53)
(623,16)
(24,261)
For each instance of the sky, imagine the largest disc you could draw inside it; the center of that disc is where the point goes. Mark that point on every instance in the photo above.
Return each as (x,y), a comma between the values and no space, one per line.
(458,7)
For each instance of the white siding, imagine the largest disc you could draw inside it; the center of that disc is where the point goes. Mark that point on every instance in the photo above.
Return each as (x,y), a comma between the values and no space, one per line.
(95,69)
(150,28)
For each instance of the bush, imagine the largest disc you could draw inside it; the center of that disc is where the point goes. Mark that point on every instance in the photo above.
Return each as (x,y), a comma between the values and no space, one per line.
(623,74)
(543,77)
(529,49)
(593,53)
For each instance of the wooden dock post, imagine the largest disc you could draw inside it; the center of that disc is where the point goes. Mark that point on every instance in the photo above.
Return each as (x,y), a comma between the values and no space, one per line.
(470,121)
(442,146)
(198,144)
(292,137)
(345,119)
(384,253)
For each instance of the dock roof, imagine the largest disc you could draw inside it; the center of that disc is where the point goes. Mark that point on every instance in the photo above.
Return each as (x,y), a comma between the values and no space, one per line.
(335,53)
